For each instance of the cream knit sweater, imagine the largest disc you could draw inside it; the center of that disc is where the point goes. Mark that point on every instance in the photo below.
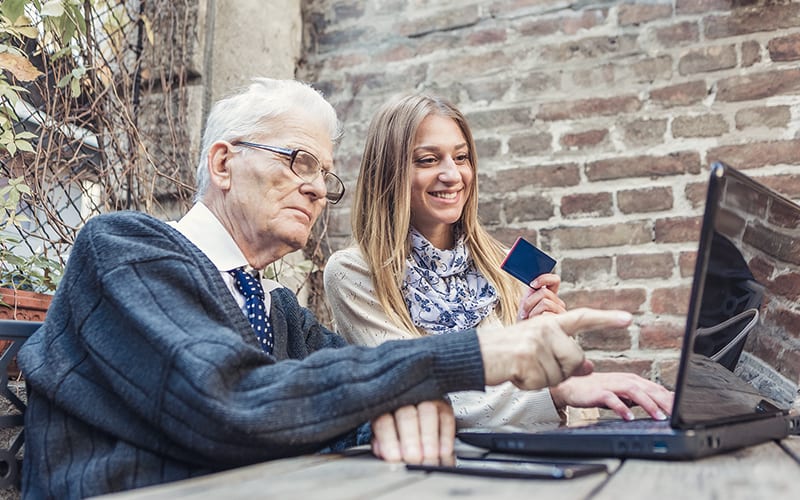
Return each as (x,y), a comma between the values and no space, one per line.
(360,319)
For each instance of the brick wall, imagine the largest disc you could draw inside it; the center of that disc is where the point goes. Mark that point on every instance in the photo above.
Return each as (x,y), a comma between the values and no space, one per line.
(595,124)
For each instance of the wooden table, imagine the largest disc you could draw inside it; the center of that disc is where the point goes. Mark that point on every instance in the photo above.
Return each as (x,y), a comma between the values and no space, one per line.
(769,471)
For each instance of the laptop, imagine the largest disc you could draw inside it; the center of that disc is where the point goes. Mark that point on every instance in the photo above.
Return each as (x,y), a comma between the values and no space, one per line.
(740,359)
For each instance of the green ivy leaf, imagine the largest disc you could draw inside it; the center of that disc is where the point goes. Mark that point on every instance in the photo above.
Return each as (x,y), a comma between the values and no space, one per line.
(13,9)
(52,8)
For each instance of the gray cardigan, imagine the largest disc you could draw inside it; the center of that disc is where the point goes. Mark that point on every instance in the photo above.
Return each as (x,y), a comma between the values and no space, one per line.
(146,371)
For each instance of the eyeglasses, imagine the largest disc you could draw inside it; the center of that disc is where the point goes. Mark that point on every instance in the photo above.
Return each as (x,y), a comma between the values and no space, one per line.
(305,166)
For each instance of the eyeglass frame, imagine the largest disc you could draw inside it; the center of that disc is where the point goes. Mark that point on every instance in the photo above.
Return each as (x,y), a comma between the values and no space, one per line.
(292,154)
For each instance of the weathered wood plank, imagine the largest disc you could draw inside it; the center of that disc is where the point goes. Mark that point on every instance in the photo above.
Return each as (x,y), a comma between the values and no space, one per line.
(763,471)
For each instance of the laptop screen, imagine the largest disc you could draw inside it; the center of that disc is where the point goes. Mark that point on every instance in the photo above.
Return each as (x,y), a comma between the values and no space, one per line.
(741,357)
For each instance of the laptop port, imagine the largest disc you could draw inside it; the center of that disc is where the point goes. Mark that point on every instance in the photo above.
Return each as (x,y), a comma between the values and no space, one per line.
(659,447)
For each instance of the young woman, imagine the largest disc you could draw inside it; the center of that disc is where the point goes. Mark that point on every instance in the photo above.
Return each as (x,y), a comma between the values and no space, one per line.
(424,265)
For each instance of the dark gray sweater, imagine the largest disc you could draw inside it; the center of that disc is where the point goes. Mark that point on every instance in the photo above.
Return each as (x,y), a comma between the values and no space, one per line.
(146,370)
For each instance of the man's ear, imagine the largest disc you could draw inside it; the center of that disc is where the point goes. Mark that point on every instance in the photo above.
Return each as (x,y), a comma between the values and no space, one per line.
(220,153)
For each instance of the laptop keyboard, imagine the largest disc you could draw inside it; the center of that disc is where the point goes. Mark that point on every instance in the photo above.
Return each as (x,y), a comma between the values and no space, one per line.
(643,425)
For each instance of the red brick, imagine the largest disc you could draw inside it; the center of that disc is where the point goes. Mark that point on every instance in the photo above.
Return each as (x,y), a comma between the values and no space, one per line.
(644,166)
(599,235)
(582,140)
(645,265)
(513,179)
(707,59)
(637,14)
(652,69)
(630,299)
(743,21)
(537,82)
(478,63)
(584,108)
(582,270)
(645,131)
(500,117)
(661,335)
(763,116)
(530,144)
(489,212)
(488,90)
(677,229)
(487,36)
(538,27)
(508,235)
(785,48)
(670,300)
(440,20)
(528,208)
(788,185)
(698,6)
(682,94)
(699,126)
(644,200)
(606,340)
(641,367)
(696,193)
(758,86)
(686,31)
(584,20)
(592,76)
(787,285)
(751,53)
(757,154)
(667,372)
(587,204)
(591,48)
(488,147)
(686,263)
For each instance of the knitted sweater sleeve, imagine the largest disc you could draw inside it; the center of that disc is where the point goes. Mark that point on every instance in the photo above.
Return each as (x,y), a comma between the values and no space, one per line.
(143,342)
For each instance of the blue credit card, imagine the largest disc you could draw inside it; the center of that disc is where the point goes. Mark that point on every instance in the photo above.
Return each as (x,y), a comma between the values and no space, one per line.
(526,262)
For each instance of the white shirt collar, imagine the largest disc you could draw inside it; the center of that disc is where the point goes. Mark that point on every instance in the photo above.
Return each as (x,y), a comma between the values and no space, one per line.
(206,232)
(202,228)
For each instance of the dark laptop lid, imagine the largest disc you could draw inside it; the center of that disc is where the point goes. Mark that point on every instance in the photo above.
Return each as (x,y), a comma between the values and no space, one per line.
(741,355)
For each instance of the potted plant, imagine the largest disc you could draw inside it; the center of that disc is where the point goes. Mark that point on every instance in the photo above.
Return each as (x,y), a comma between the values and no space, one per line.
(27,279)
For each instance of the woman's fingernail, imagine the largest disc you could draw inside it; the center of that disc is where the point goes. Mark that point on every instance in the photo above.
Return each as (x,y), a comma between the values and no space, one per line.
(534,284)
(660,415)
(625,317)
(628,415)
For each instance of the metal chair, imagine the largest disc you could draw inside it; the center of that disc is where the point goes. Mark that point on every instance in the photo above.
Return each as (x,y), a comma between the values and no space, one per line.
(16,332)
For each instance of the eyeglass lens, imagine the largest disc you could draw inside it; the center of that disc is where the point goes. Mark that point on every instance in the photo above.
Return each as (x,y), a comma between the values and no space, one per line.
(308,168)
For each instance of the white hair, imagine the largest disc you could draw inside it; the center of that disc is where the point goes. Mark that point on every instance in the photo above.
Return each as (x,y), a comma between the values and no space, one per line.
(257,110)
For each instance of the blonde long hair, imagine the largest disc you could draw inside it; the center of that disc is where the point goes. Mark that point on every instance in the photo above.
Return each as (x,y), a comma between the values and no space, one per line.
(381,215)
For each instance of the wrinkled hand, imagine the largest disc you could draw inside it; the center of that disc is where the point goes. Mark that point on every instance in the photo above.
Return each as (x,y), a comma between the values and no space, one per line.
(416,434)
(541,297)
(616,391)
(541,352)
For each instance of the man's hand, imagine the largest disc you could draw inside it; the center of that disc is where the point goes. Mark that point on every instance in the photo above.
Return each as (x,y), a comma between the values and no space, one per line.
(416,434)
(616,391)
(541,352)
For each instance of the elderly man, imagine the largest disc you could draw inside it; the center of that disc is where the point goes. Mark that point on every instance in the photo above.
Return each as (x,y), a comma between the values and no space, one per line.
(147,369)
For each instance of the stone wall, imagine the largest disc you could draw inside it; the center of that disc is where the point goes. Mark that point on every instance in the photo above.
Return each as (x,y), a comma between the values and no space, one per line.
(595,124)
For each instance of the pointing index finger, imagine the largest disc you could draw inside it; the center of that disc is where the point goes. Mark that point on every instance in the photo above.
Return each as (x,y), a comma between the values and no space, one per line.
(585,319)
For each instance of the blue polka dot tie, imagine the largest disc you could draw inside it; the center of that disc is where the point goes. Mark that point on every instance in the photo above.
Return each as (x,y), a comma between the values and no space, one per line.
(250,287)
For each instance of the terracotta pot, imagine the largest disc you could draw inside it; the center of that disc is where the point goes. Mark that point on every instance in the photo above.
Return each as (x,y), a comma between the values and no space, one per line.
(21,305)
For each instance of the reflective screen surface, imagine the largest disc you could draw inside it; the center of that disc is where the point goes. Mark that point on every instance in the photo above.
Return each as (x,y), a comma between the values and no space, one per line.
(744,314)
